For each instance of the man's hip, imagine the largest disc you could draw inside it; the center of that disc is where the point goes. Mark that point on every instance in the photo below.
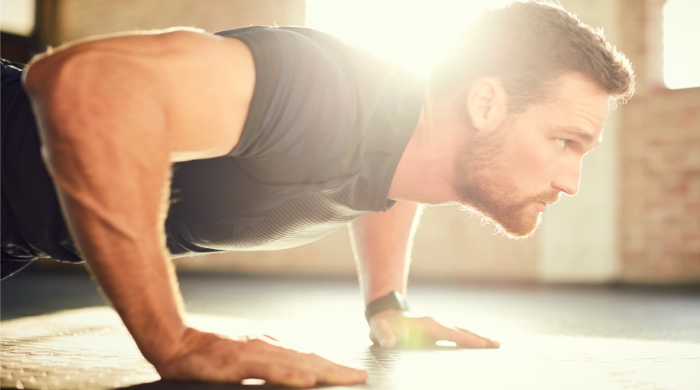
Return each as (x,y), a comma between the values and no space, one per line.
(32,223)
(15,252)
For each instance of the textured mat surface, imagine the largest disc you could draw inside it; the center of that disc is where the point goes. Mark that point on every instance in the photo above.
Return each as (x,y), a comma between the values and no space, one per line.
(90,349)
(553,337)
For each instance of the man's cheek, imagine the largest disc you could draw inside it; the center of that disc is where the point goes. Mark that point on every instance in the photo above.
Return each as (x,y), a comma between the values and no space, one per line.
(531,165)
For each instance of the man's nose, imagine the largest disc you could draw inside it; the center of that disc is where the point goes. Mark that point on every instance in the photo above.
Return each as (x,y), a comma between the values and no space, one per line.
(567,180)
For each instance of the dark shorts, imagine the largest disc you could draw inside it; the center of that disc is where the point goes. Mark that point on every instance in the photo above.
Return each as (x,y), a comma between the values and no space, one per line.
(30,210)
(15,252)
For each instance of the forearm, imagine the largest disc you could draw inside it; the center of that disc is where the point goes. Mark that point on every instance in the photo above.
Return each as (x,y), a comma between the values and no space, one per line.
(109,156)
(115,229)
(382,243)
(137,278)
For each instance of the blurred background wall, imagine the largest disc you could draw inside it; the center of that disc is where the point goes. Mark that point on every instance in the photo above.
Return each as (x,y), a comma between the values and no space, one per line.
(637,217)
(660,153)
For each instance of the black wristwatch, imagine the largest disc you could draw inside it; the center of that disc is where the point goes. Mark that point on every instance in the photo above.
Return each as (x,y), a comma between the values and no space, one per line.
(394,300)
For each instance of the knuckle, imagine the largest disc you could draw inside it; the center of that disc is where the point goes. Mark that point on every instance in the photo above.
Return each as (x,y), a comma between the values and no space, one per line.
(308,355)
(251,346)
(423,322)
(431,322)
(255,345)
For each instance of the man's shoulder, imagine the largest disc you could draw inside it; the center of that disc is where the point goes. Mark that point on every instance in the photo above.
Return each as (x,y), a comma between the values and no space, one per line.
(304,38)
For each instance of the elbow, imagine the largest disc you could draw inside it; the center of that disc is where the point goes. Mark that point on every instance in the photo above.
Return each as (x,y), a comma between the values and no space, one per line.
(54,77)
(42,73)
(59,87)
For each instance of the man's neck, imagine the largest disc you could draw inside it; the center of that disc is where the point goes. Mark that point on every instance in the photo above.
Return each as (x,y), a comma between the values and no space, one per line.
(425,173)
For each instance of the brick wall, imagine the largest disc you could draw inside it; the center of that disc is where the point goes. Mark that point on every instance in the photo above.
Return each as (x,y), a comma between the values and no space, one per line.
(660,158)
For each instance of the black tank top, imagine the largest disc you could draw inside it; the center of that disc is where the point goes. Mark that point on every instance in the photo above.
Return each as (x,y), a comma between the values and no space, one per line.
(325,131)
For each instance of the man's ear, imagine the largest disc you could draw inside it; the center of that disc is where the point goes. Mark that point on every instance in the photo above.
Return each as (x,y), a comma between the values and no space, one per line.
(487,103)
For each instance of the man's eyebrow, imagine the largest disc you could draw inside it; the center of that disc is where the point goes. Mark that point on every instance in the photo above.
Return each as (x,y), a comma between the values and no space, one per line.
(581,134)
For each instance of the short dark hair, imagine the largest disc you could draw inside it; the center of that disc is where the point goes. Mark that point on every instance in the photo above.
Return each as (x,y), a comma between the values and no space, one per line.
(528,45)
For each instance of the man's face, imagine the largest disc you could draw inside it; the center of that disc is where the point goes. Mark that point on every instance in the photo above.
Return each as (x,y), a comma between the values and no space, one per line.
(509,175)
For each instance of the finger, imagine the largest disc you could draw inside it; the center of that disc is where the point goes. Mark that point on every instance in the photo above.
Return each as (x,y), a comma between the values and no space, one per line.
(279,374)
(464,340)
(323,369)
(382,334)
(491,343)
(329,372)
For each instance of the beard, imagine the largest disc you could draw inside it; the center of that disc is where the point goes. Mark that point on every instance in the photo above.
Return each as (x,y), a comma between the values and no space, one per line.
(488,188)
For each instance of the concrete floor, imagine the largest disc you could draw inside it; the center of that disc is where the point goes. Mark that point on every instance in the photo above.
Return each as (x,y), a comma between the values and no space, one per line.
(57,333)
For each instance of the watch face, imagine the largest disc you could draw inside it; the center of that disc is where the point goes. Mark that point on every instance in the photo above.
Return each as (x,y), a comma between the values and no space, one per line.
(400,301)
(392,301)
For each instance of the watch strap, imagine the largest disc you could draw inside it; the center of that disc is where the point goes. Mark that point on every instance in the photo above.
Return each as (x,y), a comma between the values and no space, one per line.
(392,301)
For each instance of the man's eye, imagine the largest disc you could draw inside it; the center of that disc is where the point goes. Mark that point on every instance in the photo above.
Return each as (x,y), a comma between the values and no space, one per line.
(562,142)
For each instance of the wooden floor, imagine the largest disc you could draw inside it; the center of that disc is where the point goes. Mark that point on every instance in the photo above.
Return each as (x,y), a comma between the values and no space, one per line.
(57,333)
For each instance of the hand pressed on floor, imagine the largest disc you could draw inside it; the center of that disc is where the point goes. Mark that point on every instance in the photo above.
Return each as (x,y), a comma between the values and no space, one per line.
(394,328)
(208,357)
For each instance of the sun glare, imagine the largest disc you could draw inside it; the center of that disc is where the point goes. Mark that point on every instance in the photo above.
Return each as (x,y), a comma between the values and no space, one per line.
(411,33)
(681,44)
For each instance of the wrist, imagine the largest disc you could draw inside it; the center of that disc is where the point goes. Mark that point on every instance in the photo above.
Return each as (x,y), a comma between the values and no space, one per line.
(394,301)
(161,341)
(163,353)
(169,364)
(372,292)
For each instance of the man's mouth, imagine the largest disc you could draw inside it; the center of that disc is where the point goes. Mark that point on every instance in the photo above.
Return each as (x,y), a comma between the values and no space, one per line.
(540,206)
(547,199)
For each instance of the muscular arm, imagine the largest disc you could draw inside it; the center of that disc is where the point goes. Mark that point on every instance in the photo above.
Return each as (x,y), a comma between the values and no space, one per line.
(113,115)
(382,244)
(383,249)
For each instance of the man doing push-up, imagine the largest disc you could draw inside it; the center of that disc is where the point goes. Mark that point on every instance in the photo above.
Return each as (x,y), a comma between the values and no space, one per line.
(126,151)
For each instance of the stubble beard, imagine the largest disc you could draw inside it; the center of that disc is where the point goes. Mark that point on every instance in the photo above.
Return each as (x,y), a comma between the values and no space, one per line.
(484,183)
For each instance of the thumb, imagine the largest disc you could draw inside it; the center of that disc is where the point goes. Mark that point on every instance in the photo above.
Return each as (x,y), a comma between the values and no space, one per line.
(382,334)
